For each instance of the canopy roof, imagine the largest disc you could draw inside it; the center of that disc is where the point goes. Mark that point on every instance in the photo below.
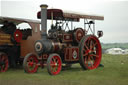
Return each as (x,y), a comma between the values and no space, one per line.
(17,20)
(59,14)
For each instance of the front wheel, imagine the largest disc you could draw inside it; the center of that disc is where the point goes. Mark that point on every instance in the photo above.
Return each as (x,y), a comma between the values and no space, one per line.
(90,52)
(4,62)
(30,63)
(54,64)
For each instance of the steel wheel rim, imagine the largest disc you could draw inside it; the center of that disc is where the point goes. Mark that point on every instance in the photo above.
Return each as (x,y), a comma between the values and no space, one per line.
(55,65)
(32,64)
(4,63)
(91,52)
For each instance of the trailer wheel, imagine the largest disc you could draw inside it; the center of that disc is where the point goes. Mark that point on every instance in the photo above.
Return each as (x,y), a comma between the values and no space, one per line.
(54,64)
(30,63)
(4,62)
(90,52)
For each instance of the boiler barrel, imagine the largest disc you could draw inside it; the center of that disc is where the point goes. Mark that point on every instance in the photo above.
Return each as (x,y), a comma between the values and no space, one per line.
(47,46)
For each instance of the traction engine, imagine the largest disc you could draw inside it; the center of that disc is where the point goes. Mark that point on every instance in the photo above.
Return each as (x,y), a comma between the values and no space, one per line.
(60,46)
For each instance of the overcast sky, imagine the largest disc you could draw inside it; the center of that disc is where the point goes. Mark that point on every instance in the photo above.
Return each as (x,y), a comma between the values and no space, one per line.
(115,25)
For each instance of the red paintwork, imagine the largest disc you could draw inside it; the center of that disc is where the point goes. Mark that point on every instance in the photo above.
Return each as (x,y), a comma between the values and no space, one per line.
(45,56)
(67,38)
(55,64)
(18,36)
(79,33)
(77,51)
(69,54)
(67,57)
(91,45)
(32,64)
(57,15)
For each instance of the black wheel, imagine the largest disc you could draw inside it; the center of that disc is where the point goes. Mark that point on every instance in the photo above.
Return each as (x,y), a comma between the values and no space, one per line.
(30,63)
(90,52)
(54,64)
(4,62)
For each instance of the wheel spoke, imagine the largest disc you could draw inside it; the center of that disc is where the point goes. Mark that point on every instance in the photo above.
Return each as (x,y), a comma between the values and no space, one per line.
(56,68)
(53,69)
(52,62)
(30,63)
(94,45)
(88,58)
(94,55)
(85,54)
(86,47)
(88,41)
(92,58)
(91,44)
(91,52)
(55,60)
(90,62)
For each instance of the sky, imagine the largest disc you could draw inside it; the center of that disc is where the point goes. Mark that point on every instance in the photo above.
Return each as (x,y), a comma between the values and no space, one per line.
(114,26)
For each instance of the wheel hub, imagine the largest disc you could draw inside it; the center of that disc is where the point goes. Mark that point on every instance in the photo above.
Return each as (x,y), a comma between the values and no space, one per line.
(31,64)
(89,51)
(54,64)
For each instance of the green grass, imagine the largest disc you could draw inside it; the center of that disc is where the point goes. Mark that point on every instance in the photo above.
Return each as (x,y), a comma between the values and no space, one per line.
(114,72)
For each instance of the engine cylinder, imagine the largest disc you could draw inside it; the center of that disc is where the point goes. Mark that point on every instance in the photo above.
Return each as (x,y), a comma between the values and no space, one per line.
(43,46)
(47,46)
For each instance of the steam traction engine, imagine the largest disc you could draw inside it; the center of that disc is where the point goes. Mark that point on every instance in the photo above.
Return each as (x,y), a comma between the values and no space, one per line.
(61,46)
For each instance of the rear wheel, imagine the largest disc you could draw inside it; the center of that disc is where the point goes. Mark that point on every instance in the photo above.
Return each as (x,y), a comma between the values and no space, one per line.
(90,52)
(54,64)
(3,62)
(30,63)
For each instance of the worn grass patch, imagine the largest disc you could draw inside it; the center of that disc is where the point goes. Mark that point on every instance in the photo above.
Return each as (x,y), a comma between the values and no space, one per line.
(114,72)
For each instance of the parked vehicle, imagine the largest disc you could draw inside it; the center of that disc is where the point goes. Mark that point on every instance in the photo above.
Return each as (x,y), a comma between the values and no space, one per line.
(64,45)
(16,42)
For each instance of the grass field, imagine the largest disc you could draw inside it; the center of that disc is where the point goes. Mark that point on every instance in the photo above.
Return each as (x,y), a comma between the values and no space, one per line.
(114,72)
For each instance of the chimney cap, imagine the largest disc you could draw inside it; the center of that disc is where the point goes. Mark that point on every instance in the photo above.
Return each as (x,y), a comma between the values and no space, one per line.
(44,6)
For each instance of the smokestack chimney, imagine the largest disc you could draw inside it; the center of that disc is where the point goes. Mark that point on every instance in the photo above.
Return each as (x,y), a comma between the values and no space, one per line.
(44,20)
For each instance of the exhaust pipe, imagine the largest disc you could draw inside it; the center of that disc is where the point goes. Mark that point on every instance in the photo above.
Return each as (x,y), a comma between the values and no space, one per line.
(44,44)
(44,21)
